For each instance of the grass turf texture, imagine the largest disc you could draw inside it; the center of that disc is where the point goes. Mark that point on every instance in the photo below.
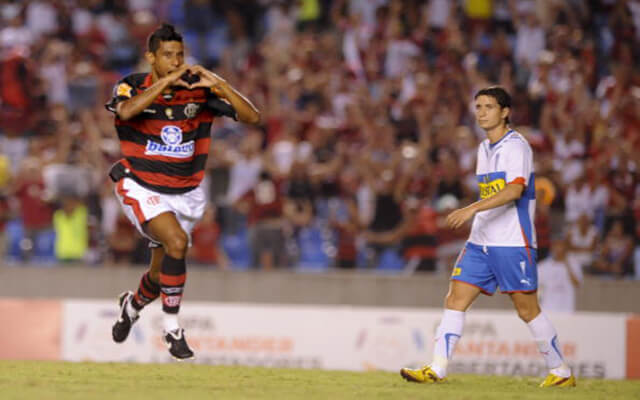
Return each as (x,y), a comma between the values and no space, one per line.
(25,380)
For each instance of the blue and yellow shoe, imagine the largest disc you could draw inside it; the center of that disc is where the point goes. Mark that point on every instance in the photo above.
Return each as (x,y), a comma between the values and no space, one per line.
(553,380)
(422,375)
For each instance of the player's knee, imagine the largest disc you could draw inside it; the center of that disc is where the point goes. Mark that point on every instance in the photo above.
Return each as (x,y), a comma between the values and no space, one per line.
(528,313)
(455,301)
(176,245)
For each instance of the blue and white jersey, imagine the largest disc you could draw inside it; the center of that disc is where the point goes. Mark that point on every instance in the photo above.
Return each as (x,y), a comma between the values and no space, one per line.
(510,160)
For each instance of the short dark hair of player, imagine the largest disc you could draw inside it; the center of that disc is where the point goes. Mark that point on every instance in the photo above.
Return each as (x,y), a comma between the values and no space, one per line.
(166,33)
(502,97)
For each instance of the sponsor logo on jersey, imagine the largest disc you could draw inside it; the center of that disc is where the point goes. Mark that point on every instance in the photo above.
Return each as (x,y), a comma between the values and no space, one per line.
(184,150)
(490,188)
(171,135)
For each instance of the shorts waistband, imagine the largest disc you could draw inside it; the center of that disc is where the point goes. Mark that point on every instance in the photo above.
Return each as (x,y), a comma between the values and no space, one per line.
(482,246)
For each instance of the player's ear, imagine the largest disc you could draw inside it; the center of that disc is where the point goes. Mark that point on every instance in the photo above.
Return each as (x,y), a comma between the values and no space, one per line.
(505,112)
(150,57)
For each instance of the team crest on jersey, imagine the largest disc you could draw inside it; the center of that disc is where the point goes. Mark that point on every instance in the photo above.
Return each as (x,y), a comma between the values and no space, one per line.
(191,110)
(171,135)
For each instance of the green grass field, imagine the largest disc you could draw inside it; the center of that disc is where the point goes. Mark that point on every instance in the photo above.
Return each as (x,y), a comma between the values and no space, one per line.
(22,380)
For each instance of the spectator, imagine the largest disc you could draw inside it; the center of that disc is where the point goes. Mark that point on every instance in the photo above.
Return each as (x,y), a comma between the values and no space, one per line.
(206,249)
(530,35)
(206,31)
(545,194)
(54,72)
(585,197)
(264,207)
(5,211)
(582,239)
(615,255)
(558,278)
(72,232)
(34,204)
(19,91)
(244,168)
(122,241)
(298,205)
(420,241)
(387,217)
(41,18)
(345,220)
(247,164)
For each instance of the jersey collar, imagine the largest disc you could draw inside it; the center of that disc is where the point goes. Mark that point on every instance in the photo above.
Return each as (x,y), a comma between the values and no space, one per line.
(493,145)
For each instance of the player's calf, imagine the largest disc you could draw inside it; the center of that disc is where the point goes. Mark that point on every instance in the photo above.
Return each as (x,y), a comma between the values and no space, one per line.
(172,279)
(148,291)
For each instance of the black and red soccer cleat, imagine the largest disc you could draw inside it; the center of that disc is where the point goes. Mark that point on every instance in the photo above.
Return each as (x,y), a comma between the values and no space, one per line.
(177,345)
(122,327)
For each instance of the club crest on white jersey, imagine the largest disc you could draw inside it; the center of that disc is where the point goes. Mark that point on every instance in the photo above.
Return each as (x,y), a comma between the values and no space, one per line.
(171,135)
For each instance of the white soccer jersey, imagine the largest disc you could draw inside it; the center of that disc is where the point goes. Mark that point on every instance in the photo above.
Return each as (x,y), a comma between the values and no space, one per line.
(510,160)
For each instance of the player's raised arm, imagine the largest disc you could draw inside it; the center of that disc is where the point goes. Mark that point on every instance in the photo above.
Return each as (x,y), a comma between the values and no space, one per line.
(133,106)
(246,111)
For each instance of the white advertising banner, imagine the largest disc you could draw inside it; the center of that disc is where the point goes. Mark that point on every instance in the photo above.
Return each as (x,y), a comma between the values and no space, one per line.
(344,338)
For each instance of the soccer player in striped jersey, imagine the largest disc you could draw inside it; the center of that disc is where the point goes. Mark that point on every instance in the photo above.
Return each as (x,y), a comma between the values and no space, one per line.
(163,119)
(501,250)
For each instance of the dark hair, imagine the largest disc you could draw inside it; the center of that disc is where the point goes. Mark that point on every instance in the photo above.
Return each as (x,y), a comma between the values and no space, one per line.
(166,33)
(502,97)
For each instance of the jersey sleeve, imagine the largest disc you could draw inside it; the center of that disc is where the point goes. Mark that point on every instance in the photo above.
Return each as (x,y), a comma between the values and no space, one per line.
(518,163)
(123,90)
(221,107)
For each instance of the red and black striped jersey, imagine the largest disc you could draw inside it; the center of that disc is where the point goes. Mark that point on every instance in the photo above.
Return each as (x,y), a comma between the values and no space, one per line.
(166,146)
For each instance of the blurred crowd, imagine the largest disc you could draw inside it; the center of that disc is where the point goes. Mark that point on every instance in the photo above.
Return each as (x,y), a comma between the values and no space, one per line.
(367,141)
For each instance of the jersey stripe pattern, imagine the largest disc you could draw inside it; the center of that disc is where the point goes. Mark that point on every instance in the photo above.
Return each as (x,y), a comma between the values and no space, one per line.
(166,146)
(510,160)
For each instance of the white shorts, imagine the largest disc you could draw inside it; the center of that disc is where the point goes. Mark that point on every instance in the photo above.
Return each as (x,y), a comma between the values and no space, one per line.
(141,204)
